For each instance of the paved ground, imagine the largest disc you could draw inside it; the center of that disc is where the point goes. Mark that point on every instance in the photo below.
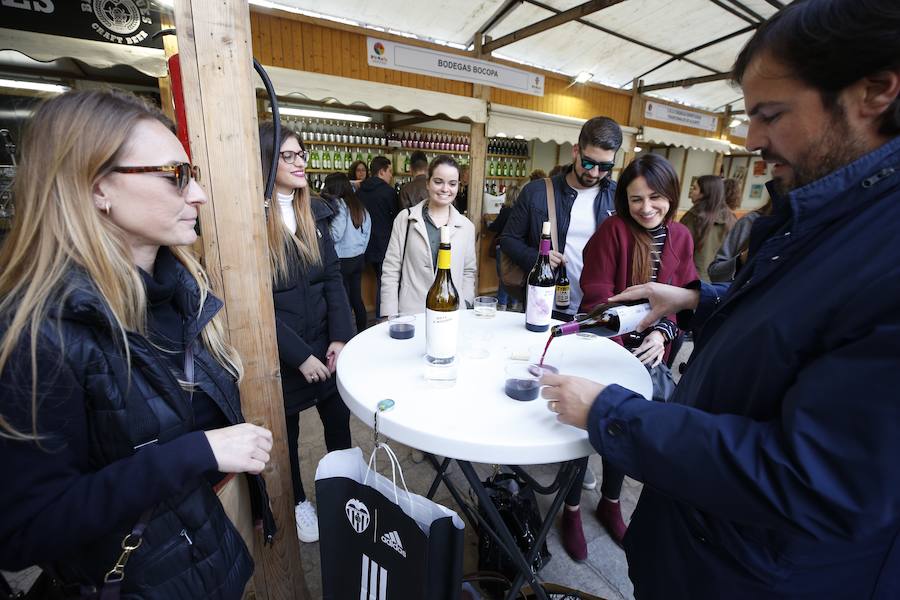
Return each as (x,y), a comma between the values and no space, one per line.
(604,574)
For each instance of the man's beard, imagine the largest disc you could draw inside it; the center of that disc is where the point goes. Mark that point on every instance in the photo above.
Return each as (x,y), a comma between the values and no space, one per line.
(586,180)
(837,147)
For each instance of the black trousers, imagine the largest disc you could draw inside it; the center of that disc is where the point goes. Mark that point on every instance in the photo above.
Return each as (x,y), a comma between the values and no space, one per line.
(377,266)
(351,271)
(335,419)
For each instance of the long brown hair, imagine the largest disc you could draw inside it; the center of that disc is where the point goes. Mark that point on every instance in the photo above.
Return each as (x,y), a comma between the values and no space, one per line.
(304,244)
(710,208)
(71,142)
(337,185)
(662,179)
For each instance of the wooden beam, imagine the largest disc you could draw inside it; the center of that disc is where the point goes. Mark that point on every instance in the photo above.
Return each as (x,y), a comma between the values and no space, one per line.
(550,22)
(412,121)
(681,55)
(500,14)
(684,82)
(477,158)
(733,11)
(776,4)
(620,36)
(748,10)
(214,46)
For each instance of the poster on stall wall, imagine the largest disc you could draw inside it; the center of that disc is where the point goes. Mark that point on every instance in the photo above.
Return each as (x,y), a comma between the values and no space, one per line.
(446,65)
(123,22)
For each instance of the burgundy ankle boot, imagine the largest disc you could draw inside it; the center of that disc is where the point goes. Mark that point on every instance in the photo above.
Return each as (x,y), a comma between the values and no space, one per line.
(573,535)
(609,514)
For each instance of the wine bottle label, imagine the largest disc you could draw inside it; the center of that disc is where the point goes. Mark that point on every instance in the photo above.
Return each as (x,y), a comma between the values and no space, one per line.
(630,316)
(443,259)
(562,296)
(441,330)
(539,305)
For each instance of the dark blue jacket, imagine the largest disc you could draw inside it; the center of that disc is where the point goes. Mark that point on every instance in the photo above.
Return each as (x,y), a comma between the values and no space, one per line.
(380,200)
(115,446)
(773,472)
(521,235)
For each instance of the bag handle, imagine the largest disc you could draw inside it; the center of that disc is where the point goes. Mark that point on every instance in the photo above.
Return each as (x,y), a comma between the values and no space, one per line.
(551,212)
(403,256)
(395,466)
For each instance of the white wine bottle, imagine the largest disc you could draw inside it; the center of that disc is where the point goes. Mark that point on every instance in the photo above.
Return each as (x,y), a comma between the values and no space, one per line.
(442,309)
(541,287)
(607,320)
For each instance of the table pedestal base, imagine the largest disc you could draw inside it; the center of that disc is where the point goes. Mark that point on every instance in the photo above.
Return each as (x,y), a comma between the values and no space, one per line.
(569,472)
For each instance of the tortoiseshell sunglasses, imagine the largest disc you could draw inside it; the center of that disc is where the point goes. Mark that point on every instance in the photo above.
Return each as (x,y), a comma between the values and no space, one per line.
(182,173)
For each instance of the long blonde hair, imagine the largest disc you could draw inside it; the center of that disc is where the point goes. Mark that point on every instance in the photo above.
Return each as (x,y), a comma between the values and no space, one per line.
(304,244)
(72,141)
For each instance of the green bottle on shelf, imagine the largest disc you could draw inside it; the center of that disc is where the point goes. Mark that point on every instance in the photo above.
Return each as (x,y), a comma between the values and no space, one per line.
(492,168)
(326,160)
(314,159)
(348,159)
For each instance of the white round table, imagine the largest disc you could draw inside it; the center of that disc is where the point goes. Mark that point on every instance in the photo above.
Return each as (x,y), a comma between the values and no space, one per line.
(474,420)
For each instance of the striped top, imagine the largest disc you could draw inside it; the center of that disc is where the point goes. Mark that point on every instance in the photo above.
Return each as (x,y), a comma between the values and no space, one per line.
(658,237)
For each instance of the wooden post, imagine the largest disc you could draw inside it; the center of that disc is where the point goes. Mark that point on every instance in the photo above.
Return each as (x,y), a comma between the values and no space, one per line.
(635,116)
(477,158)
(214,45)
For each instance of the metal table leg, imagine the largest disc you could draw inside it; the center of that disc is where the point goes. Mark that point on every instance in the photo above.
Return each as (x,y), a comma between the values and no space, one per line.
(508,543)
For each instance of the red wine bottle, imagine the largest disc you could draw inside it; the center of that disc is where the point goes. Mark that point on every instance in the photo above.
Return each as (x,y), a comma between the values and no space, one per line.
(607,320)
(541,287)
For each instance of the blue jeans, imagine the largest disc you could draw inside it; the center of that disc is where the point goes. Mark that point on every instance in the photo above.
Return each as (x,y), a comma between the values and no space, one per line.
(502,295)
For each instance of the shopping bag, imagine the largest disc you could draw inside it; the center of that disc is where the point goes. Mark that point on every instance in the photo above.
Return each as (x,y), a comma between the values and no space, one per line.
(378,542)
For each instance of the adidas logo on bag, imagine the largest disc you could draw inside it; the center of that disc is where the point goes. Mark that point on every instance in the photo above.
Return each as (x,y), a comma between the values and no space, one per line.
(392,539)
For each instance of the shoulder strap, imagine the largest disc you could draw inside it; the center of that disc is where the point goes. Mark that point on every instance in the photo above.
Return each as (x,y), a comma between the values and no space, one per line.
(403,254)
(551,211)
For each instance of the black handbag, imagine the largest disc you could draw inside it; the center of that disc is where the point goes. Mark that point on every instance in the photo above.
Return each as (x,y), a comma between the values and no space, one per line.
(515,501)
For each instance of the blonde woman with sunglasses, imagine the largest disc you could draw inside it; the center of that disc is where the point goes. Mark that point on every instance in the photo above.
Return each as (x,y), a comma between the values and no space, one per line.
(119,409)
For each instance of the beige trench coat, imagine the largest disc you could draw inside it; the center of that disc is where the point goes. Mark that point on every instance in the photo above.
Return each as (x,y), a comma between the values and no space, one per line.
(418,270)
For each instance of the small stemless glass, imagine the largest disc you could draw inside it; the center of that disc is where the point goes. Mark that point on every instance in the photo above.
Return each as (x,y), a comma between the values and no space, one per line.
(485,307)
(402,327)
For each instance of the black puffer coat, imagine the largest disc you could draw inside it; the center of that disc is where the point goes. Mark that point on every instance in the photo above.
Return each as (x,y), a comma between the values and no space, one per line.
(311,311)
(115,446)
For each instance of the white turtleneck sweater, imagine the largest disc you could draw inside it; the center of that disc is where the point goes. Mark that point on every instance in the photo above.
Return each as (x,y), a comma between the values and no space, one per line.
(286,206)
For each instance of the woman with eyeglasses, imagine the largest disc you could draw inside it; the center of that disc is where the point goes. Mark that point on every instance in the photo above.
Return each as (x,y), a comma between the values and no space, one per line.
(640,243)
(312,315)
(119,406)
(357,173)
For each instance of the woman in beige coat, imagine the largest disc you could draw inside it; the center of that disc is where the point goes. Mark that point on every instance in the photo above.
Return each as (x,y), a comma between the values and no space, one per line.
(409,265)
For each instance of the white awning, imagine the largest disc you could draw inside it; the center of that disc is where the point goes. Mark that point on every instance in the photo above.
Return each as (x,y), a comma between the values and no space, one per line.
(44,47)
(546,127)
(654,135)
(377,96)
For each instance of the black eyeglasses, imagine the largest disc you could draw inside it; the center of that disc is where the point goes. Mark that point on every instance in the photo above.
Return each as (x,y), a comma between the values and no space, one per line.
(182,173)
(587,163)
(289,156)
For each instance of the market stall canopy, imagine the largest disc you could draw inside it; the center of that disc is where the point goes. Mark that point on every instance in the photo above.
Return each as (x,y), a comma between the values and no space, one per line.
(377,96)
(658,41)
(533,125)
(664,137)
(45,48)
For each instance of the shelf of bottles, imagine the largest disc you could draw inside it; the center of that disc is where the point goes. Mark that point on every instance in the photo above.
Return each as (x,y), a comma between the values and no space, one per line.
(506,164)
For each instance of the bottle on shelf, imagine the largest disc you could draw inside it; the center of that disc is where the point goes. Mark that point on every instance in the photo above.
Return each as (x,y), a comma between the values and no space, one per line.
(541,287)
(563,289)
(442,309)
(314,159)
(607,320)
(326,160)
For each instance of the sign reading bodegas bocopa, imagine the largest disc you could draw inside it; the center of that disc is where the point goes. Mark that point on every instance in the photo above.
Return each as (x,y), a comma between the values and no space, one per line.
(124,22)
(446,65)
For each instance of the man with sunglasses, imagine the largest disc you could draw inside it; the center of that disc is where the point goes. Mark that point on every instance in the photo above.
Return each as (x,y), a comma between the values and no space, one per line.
(583,195)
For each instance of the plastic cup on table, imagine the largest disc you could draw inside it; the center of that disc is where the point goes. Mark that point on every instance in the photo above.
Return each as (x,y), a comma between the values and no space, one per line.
(402,327)
(485,307)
